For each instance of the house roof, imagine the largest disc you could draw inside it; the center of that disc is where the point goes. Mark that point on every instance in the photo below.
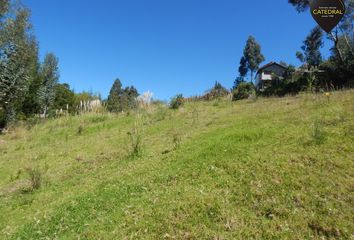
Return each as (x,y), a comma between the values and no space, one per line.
(270,64)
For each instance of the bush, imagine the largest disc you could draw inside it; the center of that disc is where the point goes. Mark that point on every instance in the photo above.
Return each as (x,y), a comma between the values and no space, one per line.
(243,91)
(176,101)
(283,87)
(218,91)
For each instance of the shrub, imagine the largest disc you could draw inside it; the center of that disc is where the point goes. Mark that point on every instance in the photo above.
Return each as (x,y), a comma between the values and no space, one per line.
(218,91)
(243,91)
(176,101)
(35,176)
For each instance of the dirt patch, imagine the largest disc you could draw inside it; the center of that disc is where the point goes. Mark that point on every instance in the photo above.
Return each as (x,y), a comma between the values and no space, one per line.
(15,187)
(323,231)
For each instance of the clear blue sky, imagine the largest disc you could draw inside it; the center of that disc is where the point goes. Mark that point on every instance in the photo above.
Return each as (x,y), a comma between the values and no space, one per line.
(165,46)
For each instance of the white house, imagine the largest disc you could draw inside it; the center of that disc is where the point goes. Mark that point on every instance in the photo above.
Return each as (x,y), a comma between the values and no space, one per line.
(267,73)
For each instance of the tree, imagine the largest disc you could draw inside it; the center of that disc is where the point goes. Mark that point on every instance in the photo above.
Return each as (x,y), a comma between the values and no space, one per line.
(128,98)
(4,7)
(50,75)
(243,69)
(13,82)
(217,91)
(121,99)
(300,5)
(237,82)
(64,97)
(311,49)
(339,68)
(345,27)
(19,58)
(113,102)
(252,57)
(339,73)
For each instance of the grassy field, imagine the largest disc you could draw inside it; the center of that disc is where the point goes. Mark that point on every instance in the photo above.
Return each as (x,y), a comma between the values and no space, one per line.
(275,168)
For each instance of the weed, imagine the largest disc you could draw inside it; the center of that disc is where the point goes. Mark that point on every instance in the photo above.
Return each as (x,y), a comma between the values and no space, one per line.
(176,141)
(80,129)
(66,137)
(195,116)
(17,176)
(161,113)
(35,177)
(136,138)
(253,97)
(328,96)
(318,134)
(98,118)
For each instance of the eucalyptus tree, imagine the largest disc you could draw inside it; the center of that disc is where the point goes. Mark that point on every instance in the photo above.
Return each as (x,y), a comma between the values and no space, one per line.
(18,56)
(252,57)
(49,72)
(13,83)
(344,32)
(311,48)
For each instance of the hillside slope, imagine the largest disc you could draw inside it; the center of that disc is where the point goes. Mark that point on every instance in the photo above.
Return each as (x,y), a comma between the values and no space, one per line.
(277,168)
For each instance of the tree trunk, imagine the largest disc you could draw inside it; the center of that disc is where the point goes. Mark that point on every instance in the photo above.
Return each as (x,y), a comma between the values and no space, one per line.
(335,40)
(347,41)
(45,112)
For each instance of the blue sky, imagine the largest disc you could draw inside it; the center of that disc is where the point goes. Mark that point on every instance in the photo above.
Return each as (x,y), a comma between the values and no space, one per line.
(165,46)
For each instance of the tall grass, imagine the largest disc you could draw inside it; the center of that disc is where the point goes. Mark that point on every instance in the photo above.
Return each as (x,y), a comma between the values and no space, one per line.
(135,135)
(35,177)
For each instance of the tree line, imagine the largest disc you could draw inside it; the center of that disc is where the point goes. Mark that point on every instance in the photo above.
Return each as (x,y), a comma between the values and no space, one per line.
(29,87)
(315,72)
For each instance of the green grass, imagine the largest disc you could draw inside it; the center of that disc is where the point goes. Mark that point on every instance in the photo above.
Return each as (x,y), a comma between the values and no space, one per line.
(276,168)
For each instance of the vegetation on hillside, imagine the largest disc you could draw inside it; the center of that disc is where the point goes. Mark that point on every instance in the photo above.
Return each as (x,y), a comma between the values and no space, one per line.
(230,164)
(270,168)
(30,89)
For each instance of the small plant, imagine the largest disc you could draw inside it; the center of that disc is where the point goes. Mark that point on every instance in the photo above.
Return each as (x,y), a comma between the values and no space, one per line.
(161,113)
(17,176)
(195,116)
(253,97)
(176,101)
(328,96)
(136,140)
(35,177)
(318,135)
(176,141)
(80,129)
(216,103)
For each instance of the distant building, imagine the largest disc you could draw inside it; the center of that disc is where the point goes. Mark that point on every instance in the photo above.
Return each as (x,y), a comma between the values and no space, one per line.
(267,73)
